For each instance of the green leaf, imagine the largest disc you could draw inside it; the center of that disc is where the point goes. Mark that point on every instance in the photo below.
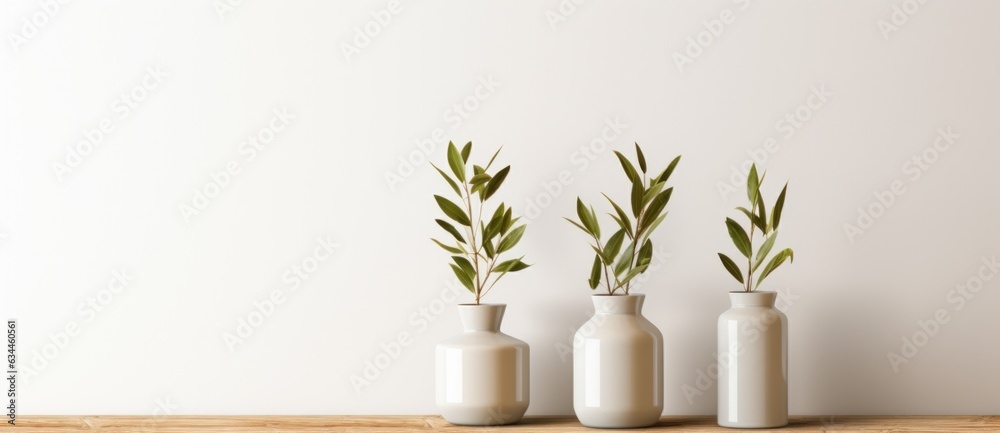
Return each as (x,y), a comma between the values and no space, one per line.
(652,192)
(488,248)
(655,207)
(731,267)
(496,222)
(451,229)
(578,225)
(507,221)
(607,260)
(753,184)
(637,191)
(775,262)
(465,264)
(625,261)
(595,273)
(627,166)
(494,184)
(597,224)
(456,162)
(480,179)
(614,244)
(466,150)
(447,248)
(668,171)
(739,237)
(488,164)
(511,239)
(622,217)
(778,206)
(453,211)
(656,223)
(645,255)
(762,214)
(633,273)
(465,279)
(765,248)
(584,215)
(454,185)
(754,219)
(513,265)
(641,157)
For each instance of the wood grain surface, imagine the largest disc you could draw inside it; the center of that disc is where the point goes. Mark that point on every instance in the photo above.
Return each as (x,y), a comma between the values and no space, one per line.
(364,424)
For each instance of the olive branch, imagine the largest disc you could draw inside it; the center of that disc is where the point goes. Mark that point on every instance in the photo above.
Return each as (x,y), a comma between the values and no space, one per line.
(758,218)
(476,255)
(616,265)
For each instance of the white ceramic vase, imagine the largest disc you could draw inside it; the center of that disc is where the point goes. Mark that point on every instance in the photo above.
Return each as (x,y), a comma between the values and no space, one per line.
(618,366)
(482,373)
(753,362)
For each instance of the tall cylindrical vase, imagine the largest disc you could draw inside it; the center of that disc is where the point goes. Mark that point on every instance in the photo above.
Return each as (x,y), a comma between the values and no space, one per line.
(482,373)
(618,366)
(753,362)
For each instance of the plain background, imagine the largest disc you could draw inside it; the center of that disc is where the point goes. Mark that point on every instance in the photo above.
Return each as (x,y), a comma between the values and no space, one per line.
(158,346)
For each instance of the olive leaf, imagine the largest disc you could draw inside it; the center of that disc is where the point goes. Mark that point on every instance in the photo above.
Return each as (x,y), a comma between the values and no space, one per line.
(453,211)
(627,167)
(640,157)
(778,259)
(739,237)
(731,267)
(456,162)
(511,239)
(595,273)
(466,150)
(451,182)
(494,184)
(450,229)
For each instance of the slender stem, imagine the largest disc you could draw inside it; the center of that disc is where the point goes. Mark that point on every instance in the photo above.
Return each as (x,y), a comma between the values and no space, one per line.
(753,210)
(472,236)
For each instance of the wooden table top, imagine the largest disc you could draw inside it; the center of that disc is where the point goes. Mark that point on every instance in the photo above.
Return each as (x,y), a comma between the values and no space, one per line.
(362,424)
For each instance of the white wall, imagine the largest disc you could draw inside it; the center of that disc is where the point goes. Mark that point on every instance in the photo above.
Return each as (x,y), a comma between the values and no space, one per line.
(159,341)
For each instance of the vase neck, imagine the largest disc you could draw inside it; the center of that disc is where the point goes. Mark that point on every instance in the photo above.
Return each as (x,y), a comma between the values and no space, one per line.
(482,317)
(615,304)
(753,299)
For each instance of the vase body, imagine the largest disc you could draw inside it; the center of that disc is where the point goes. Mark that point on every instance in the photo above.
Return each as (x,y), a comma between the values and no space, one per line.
(618,366)
(482,373)
(753,362)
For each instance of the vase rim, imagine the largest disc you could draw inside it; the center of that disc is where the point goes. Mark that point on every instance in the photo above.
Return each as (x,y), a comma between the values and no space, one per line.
(482,305)
(616,295)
